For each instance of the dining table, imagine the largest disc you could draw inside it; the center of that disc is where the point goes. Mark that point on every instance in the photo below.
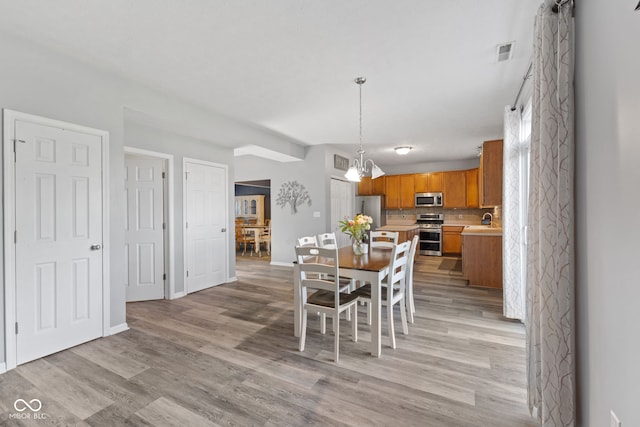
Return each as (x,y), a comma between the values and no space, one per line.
(371,267)
(255,230)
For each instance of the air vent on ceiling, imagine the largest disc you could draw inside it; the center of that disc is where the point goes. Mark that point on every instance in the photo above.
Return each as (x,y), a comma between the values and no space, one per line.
(505,51)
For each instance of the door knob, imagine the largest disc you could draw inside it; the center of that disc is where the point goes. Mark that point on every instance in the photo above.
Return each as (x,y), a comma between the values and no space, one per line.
(96,247)
(224,230)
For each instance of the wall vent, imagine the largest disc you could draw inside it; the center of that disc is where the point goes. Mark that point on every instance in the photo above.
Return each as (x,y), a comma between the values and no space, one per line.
(505,51)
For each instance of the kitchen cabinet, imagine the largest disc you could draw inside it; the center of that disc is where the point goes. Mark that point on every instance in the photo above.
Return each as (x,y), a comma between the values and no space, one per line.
(482,260)
(371,187)
(399,192)
(250,207)
(490,174)
(473,196)
(428,182)
(452,239)
(455,191)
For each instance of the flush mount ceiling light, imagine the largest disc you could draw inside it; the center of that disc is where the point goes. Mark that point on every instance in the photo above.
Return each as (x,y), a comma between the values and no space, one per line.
(360,165)
(403,150)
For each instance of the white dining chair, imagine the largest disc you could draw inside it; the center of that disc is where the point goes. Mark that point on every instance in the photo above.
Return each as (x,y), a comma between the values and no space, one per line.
(327,240)
(346,283)
(265,238)
(383,239)
(320,281)
(393,291)
(410,304)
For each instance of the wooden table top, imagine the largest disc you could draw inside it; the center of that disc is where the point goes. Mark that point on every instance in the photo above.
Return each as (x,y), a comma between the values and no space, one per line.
(375,260)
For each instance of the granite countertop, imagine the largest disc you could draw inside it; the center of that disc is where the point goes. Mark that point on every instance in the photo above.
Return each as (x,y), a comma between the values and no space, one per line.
(481,230)
(399,227)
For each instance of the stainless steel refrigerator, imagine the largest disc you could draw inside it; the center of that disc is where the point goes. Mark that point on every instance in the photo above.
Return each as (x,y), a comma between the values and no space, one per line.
(372,206)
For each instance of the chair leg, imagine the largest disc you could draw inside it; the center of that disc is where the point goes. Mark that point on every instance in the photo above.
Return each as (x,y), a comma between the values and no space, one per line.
(411,307)
(392,335)
(336,332)
(303,330)
(354,323)
(369,312)
(323,323)
(403,316)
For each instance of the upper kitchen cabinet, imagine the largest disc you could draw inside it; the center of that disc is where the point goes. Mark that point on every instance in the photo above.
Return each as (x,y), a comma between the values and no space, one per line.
(473,195)
(399,191)
(490,179)
(428,182)
(455,191)
(370,187)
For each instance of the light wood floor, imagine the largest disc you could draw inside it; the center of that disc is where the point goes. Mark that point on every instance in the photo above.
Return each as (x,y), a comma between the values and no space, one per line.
(227,356)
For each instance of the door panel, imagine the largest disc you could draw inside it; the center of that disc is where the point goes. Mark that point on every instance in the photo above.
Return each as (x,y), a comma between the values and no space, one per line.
(144,234)
(59,294)
(206,210)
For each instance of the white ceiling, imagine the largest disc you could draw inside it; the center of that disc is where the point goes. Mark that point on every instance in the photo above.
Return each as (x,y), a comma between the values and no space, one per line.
(433,81)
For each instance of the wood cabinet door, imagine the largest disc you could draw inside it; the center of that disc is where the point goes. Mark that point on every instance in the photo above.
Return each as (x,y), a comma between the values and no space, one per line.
(407,192)
(377,185)
(491,177)
(364,186)
(392,191)
(473,196)
(454,191)
(452,240)
(436,182)
(421,182)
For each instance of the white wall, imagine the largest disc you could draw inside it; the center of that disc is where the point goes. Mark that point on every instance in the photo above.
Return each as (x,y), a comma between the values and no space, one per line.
(607,211)
(39,81)
(431,166)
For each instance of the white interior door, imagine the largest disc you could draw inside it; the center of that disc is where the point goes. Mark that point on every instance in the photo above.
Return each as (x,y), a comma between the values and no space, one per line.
(342,205)
(58,195)
(144,228)
(205,228)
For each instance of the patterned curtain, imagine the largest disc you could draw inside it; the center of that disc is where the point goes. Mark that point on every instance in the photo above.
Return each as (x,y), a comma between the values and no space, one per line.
(512,222)
(550,318)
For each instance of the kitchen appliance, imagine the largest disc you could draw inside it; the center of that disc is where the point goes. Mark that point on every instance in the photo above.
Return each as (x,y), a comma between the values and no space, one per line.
(430,225)
(372,206)
(428,200)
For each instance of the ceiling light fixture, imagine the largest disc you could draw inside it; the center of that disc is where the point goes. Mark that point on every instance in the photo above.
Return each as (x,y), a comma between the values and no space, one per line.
(403,150)
(360,165)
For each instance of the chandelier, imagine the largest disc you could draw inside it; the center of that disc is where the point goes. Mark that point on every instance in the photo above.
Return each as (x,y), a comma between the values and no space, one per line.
(360,165)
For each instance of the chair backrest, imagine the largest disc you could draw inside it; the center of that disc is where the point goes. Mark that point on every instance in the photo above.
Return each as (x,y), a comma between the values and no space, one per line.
(412,257)
(383,239)
(266,232)
(307,241)
(398,266)
(327,240)
(319,268)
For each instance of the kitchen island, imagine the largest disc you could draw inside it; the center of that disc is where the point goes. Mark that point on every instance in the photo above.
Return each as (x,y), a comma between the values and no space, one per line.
(482,256)
(405,231)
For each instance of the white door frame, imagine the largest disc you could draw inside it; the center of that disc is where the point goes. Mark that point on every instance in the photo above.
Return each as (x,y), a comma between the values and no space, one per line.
(9,119)
(186,160)
(169,209)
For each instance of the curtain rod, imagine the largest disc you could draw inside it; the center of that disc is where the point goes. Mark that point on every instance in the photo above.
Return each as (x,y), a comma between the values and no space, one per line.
(524,80)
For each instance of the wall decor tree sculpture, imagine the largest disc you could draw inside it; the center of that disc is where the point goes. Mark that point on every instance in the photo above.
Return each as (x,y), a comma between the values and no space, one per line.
(293,193)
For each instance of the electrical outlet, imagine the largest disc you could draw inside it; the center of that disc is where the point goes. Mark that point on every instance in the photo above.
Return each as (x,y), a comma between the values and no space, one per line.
(460,216)
(615,422)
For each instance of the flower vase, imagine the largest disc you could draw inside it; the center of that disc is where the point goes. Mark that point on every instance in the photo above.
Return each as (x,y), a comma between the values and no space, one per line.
(360,248)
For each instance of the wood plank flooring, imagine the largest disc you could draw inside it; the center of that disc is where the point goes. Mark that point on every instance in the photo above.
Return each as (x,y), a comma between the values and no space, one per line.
(227,356)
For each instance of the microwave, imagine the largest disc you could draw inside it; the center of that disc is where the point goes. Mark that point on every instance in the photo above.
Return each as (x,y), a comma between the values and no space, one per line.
(428,200)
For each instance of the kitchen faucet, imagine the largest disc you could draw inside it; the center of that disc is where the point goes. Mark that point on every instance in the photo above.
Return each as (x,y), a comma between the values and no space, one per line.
(484,217)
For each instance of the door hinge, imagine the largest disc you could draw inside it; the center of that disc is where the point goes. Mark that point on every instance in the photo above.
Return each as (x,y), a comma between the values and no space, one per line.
(164,225)
(16,328)
(186,225)
(163,175)
(15,236)
(186,176)
(187,273)
(164,276)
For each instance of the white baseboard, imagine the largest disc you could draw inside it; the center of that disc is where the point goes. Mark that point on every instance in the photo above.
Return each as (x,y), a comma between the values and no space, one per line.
(118,328)
(282,264)
(232,279)
(3,367)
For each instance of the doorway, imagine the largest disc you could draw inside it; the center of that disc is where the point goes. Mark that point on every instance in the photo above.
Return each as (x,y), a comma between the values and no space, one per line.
(56,217)
(206,210)
(149,227)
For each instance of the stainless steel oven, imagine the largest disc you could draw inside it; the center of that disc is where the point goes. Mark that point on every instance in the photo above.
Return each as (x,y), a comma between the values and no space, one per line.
(430,242)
